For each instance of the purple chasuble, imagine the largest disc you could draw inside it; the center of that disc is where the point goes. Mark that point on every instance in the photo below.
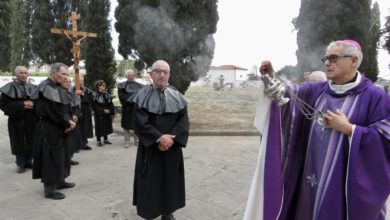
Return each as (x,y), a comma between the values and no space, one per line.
(320,173)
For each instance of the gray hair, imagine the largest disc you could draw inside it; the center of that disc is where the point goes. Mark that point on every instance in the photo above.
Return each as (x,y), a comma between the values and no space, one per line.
(18,69)
(162,62)
(349,49)
(127,72)
(55,67)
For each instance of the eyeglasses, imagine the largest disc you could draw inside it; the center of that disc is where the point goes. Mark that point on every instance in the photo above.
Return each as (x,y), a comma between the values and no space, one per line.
(333,58)
(159,71)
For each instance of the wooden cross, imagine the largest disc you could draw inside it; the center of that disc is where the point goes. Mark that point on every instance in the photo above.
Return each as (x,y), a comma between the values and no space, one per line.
(74,35)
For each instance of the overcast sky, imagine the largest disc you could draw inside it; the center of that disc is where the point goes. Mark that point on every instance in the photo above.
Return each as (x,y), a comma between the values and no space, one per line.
(249,31)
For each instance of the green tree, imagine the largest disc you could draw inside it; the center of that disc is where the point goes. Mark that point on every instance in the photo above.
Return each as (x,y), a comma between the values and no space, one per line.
(178,31)
(386,32)
(98,53)
(322,21)
(42,42)
(373,39)
(62,45)
(20,33)
(125,65)
(5,41)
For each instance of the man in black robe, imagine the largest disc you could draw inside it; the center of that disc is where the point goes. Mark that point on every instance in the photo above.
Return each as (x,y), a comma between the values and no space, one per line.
(85,122)
(162,125)
(103,109)
(125,91)
(15,102)
(73,137)
(51,156)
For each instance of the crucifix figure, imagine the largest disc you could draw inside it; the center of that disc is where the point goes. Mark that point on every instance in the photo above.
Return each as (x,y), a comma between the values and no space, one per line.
(74,35)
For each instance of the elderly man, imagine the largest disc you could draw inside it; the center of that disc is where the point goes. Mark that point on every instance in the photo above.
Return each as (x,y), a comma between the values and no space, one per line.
(317,76)
(16,103)
(51,155)
(85,122)
(125,91)
(330,159)
(162,125)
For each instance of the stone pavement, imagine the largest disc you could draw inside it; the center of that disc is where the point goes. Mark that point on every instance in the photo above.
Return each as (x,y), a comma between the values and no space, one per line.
(218,174)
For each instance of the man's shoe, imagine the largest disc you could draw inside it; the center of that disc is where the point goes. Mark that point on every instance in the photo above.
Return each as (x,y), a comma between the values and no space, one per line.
(100,144)
(54,195)
(28,166)
(86,148)
(167,217)
(107,142)
(73,162)
(126,145)
(65,185)
(21,170)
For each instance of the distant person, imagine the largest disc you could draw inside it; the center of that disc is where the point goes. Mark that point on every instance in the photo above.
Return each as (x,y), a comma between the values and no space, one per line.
(103,109)
(73,137)
(221,80)
(317,76)
(306,76)
(161,123)
(85,122)
(325,154)
(126,90)
(51,155)
(16,103)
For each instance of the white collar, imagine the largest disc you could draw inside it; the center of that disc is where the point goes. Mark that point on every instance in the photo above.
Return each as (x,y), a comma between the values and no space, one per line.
(340,89)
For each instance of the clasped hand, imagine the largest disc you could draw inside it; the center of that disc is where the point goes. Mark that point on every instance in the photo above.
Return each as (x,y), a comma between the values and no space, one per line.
(165,142)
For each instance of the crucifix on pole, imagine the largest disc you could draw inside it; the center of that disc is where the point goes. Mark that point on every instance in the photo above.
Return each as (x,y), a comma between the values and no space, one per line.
(76,37)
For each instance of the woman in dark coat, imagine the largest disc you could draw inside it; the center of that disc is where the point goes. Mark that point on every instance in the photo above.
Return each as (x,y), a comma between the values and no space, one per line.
(103,111)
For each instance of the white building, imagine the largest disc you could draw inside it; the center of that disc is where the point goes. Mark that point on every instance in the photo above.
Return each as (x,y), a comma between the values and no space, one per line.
(232,75)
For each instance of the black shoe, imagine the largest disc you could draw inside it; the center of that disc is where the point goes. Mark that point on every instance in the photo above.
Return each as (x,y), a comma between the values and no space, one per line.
(54,195)
(73,162)
(86,148)
(107,142)
(21,170)
(65,185)
(100,144)
(167,217)
(28,166)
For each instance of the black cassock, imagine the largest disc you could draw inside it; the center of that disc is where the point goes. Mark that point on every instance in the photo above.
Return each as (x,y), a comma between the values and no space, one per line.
(159,186)
(103,121)
(21,122)
(125,91)
(51,155)
(86,115)
(74,140)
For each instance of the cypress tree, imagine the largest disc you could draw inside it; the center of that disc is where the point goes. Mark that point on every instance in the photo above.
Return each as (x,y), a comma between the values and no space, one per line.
(322,21)
(20,33)
(178,31)
(42,42)
(98,52)
(5,41)
(62,45)
(386,32)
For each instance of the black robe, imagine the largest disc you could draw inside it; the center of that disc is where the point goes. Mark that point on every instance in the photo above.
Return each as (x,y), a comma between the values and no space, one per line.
(159,186)
(21,122)
(85,122)
(74,140)
(103,121)
(51,155)
(125,91)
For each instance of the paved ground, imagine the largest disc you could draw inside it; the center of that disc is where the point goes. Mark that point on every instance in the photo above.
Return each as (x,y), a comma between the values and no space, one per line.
(218,175)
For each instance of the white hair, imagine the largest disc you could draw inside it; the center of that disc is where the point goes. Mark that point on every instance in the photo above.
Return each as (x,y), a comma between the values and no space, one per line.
(349,49)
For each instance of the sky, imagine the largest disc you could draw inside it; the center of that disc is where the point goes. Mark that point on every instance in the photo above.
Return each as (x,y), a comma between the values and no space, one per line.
(249,31)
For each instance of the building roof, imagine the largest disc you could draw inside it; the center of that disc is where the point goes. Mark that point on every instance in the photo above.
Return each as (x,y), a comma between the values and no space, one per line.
(227,67)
